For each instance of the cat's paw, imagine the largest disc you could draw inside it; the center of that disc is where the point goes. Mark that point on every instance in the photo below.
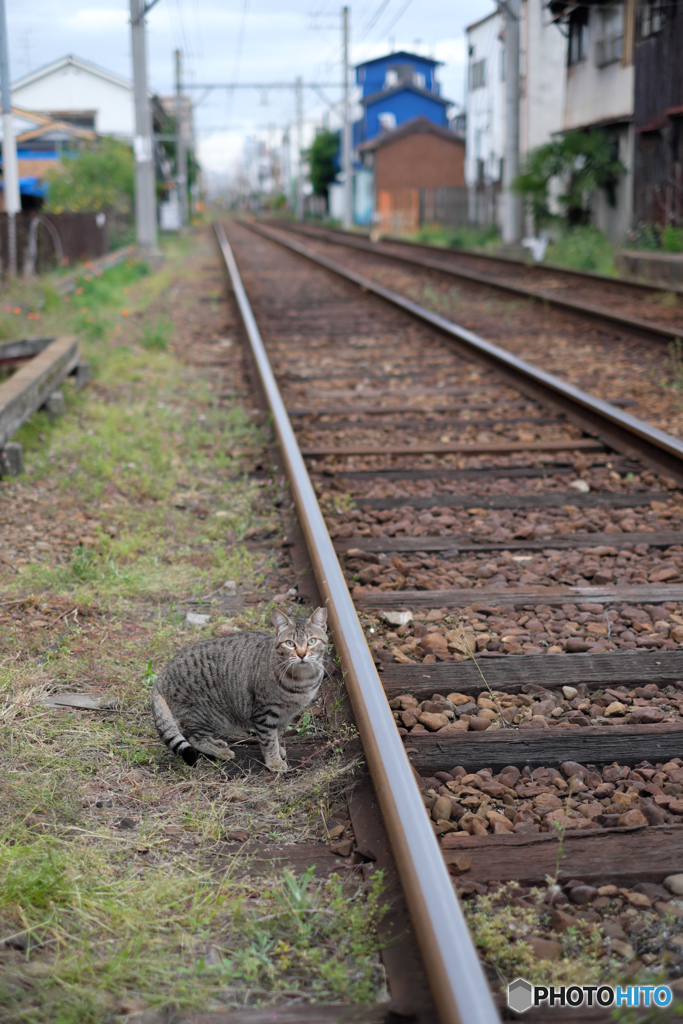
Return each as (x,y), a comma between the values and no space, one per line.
(278,764)
(213,747)
(283,753)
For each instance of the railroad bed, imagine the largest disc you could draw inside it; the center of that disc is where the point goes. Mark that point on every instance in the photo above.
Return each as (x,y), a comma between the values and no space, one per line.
(641,308)
(514,554)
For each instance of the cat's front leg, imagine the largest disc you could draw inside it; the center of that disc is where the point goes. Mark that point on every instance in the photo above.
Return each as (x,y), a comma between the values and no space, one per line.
(272,753)
(281,741)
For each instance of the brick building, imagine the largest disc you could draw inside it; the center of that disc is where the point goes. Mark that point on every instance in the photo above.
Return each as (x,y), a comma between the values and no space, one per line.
(419,175)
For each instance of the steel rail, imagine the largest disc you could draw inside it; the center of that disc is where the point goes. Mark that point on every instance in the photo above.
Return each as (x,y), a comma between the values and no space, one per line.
(492,257)
(457,981)
(623,432)
(660,331)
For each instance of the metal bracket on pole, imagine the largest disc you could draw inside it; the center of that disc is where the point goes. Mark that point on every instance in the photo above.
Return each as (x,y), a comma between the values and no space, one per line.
(145,10)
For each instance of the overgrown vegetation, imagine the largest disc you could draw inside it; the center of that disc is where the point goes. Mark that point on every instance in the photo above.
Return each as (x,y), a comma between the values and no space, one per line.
(655,237)
(584,248)
(570,170)
(116,891)
(465,237)
(100,176)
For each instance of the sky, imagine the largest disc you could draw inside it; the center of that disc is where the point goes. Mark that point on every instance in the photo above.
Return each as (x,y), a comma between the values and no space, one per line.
(258,41)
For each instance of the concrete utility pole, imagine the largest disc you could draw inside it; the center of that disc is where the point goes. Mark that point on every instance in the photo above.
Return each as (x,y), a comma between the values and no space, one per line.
(299,147)
(10,172)
(346,140)
(180,150)
(145,178)
(512,210)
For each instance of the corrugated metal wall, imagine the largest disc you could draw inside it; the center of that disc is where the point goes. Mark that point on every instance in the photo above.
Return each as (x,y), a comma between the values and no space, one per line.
(658,167)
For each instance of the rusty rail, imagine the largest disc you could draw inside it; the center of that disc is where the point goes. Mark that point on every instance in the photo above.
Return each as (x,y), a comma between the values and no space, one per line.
(460,990)
(623,432)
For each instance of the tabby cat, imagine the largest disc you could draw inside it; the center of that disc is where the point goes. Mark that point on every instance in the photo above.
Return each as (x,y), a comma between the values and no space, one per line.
(217,690)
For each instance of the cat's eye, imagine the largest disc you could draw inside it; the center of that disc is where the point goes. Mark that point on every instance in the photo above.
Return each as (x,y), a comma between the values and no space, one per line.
(312,641)
(290,644)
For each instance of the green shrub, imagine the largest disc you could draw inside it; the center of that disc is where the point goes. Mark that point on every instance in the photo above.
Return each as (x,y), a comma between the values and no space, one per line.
(98,177)
(672,239)
(584,248)
(581,162)
(464,237)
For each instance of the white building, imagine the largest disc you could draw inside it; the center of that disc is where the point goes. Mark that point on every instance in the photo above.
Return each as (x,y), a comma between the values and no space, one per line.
(542,62)
(600,94)
(74,90)
(485,140)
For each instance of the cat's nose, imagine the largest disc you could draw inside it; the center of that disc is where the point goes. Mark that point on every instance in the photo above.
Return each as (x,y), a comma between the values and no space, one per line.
(301,654)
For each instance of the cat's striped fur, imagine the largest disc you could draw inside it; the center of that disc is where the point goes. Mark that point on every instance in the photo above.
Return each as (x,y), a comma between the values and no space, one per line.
(218,690)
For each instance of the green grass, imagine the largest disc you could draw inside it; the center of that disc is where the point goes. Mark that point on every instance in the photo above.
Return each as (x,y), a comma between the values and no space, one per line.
(156,916)
(464,237)
(583,248)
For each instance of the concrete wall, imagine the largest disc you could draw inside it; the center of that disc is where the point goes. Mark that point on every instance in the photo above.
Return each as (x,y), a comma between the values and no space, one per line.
(421,160)
(542,75)
(73,88)
(486,105)
(543,60)
(597,94)
(616,221)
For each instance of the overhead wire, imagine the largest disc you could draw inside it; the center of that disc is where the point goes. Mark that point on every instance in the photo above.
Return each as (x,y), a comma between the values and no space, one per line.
(398,17)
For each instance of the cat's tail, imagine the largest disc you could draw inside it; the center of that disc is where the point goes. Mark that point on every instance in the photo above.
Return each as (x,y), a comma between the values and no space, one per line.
(169,731)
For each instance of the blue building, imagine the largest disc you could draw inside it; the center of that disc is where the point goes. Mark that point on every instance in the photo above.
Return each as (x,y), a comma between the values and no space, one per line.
(395,89)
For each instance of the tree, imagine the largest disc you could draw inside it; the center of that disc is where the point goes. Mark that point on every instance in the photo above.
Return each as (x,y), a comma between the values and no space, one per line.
(323,160)
(579,163)
(100,176)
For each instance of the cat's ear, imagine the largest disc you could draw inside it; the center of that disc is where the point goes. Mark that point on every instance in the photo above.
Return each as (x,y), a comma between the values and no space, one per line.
(280,620)
(319,618)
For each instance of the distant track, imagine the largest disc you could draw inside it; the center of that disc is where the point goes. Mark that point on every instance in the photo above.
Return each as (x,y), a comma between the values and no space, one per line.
(516,278)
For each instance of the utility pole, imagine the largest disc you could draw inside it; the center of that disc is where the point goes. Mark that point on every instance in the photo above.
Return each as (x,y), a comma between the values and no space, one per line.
(180,150)
(346,140)
(299,146)
(9,149)
(145,178)
(512,210)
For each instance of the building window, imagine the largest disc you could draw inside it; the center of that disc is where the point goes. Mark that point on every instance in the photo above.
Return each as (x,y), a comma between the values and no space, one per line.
(578,36)
(478,74)
(651,18)
(609,47)
(387,121)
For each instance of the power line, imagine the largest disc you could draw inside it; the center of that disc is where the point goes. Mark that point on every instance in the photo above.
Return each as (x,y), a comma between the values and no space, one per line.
(373,21)
(398,17)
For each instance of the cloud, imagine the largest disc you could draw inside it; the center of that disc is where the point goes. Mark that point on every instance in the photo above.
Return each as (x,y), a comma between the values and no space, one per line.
(97,19)
(219,151)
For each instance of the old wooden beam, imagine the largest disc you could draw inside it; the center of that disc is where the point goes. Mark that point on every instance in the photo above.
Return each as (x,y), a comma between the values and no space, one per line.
(652,593)
(32,384)
(616,856)
(540,748)
(582,444)
(464,542)
(21,349)
(509,674)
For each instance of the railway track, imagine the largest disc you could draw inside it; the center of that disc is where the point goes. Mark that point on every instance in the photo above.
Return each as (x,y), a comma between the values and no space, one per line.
(624,305)
(502,558)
